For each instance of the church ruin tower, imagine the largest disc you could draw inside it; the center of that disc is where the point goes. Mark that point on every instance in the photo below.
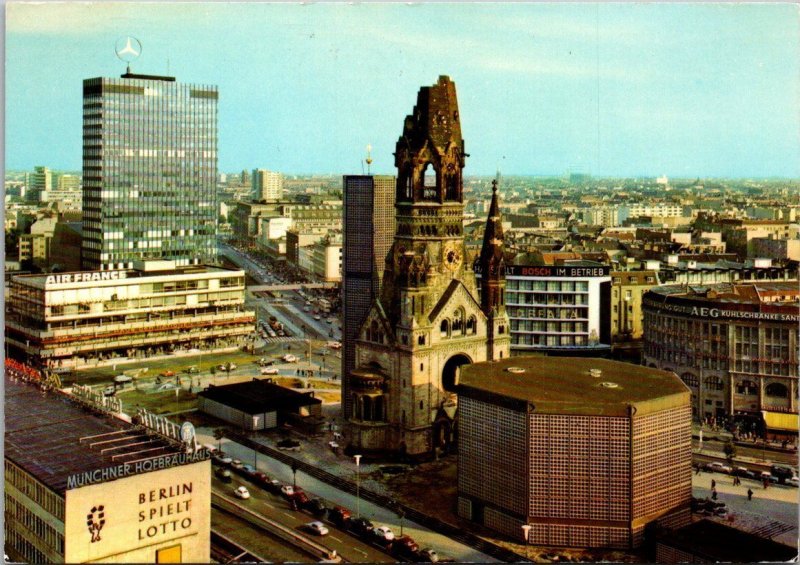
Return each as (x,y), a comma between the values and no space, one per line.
(428,321)
(493,283)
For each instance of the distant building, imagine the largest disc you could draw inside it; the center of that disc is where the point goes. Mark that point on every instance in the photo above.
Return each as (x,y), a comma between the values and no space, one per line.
(568,447)
(149,174)
(72,319)
(326,258)
(82,486)
(734,345)
(780,249)
(368,231)
(267,185)
(35,246)
(39,181)
(65,247)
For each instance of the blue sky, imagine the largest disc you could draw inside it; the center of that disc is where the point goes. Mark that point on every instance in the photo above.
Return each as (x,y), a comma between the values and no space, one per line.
(609,89)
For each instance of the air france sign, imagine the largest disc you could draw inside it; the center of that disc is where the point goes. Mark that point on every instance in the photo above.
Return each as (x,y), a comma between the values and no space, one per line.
(93,276)
(715,313)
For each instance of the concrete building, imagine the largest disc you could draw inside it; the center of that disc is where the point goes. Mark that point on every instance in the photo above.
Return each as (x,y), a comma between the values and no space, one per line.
(326,258)
(267,185)
(558,309)
(39,181)
(627,289)
(35,246)
(367,230)
(67,319)
(734,345)
(591,451)
(780,249)
(149,173)
(86,486)
(260,405)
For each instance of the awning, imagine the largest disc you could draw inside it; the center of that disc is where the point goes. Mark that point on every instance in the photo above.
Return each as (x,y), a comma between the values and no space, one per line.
(780,421)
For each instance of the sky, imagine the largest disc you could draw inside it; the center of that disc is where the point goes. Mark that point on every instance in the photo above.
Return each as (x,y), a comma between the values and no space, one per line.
(686,90)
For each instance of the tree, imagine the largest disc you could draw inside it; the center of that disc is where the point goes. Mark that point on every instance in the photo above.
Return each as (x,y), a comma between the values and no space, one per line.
(219,433)
(730,450)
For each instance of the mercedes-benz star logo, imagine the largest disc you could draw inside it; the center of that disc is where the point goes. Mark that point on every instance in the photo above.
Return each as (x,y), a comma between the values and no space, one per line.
(128,48)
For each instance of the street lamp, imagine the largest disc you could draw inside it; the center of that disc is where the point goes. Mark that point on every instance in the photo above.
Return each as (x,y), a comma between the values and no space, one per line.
(358,485)
(526,528)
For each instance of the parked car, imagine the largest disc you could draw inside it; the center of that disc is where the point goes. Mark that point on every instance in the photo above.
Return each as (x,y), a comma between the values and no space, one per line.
(782,472)
(110,390)
(221,458)
(298,500)
(223,474)
(793,482)
(360,526)
(745,473)
(718,467)
(766,475)
(383,533)
(317,528)
(167,373)
(405,546)
(192,369)
(289,358)
(316,507)
(288,490)
(427,555)
(248,470)
(339,515)
(242,492)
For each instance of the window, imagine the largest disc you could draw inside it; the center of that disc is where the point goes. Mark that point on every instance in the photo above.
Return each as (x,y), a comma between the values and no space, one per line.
(747,387)
(714,383)
(777,390)
(170,554)
(420,405)
(444,328)
(690,380)
(421,340)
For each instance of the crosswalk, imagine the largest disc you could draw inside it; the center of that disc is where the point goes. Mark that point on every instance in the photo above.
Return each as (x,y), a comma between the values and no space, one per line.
(277,339)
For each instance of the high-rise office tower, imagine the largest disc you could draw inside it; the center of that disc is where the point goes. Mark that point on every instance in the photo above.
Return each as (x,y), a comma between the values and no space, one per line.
(368,233)
(149,170)
(267,185)
(39,181)
(428,320)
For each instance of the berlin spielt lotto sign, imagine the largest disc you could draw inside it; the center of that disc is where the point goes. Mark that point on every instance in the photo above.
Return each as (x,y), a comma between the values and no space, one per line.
(128,48)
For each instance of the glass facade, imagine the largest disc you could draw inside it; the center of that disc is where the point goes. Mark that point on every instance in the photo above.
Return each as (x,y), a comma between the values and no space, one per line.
(149,170)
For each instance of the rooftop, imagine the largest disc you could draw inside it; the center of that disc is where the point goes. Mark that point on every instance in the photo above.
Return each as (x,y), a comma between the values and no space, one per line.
(259,396)
(755,292)
(52,436)
(564,385)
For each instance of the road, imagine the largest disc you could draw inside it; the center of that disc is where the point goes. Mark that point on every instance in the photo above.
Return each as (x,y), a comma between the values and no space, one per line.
(277,509)
(767,455)
(255,539)
(377,514)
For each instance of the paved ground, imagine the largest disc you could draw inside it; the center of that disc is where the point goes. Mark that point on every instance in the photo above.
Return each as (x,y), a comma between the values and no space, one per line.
(777,503)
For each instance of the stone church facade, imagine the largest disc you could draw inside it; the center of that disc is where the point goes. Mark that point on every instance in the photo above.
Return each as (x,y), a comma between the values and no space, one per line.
(430,318)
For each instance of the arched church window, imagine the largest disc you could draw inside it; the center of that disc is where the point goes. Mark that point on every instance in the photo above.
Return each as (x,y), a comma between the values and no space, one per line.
(472,326)
(429,183)
(458,321)
(444,328)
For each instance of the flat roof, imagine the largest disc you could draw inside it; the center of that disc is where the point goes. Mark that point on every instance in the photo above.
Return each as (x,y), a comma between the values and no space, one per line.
(564,385)
(258,396)
(61,281)
(53,437)
(723,544)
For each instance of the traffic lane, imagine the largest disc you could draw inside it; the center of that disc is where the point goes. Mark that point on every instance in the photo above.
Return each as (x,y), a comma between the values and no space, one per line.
(377,514)
(256,540)
(276,508)
(752,451)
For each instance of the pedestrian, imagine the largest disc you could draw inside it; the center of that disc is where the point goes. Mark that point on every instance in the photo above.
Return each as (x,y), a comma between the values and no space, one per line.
(713,484)
(749,494)
(766,482)
(713,494)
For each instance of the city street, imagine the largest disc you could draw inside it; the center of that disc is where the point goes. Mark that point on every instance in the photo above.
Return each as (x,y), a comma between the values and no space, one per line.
(377,514)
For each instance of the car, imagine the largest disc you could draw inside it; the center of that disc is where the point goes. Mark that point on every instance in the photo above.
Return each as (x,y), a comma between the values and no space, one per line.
(405,546)
(288,490)
(383,533)
(744,472)
(110,390)
(307,309)
(298,500)
(317,528)
(427,555)
(236,464)
(223,474)
(360,526)
(289,358)
(318,318)
(248,469)
(167,373)
(221,458)
(334,345)
(192,369)
(269,371)
(718,467)
(767,476)
(339,515)
(241,492)
(782,472)
(329,320)
(316,507)
(793,482)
